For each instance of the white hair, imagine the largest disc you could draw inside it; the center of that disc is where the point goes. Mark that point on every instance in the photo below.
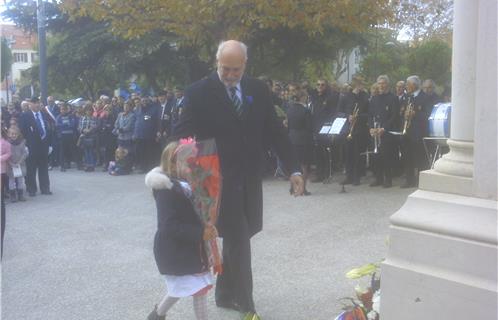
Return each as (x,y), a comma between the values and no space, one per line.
(414,80)
(223,44)
(383,77)
(432,83)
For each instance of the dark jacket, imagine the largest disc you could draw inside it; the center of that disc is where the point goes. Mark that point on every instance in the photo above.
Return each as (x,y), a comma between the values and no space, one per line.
(29,129)
(384,109)
(146,123)
(66,125)
(346,108)
(323,109)
(299,124)
(178,245)
(241,143)
(419,127)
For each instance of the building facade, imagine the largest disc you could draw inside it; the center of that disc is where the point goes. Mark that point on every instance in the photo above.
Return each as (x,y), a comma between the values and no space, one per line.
(24,55)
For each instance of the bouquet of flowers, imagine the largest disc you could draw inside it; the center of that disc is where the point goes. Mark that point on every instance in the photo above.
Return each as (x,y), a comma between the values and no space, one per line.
(199,165)
(366,305)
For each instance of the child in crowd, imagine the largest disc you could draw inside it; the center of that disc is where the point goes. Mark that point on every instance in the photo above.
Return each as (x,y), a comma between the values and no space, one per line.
(4,158)
(67,127)
(17,164)
(178,243)
(88,138)
(121,164)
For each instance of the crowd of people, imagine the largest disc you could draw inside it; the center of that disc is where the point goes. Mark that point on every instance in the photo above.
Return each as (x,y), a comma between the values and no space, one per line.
(122,136)
(381,124)
(327,127)
(110,133)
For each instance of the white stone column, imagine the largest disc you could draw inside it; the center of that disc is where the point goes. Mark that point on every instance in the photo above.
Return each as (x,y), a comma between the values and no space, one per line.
(463,91)
(454,171)
(442,261)
(485,150)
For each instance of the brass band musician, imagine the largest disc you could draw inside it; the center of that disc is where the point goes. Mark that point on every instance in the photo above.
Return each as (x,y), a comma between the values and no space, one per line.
(414,114)
(383,117)
(354,105)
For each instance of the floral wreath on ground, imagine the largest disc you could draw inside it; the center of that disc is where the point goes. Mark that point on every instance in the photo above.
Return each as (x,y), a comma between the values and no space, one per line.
(366,304)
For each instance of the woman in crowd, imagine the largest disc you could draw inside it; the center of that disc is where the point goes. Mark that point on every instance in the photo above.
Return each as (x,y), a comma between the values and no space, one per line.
(300,128)
(88,138)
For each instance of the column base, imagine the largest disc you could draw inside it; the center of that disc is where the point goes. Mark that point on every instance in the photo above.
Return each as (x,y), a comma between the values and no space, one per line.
(432,180)
(459,161)
(442,259)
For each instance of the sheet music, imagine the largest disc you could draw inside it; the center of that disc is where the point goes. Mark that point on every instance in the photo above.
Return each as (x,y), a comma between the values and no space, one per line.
(337,126)
(325,129)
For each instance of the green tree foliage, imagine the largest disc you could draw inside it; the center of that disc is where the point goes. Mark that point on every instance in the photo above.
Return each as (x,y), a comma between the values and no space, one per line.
(6,58)
(431,60)
(83,56)
(424,19)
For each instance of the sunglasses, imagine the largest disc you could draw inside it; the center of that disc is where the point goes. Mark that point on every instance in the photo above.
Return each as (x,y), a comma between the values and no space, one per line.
(320,84)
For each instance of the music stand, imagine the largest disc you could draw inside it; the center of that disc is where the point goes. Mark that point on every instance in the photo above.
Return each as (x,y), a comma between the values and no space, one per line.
(440,142)
(332,131)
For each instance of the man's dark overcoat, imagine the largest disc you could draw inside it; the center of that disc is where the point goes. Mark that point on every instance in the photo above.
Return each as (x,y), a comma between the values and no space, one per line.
(241,143)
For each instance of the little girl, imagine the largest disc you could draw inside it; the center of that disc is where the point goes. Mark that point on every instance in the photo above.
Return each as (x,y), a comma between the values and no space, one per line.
(121,164)
(178,243)
(17,164)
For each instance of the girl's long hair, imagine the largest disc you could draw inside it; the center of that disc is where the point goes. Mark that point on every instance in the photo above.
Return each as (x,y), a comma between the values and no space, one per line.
(168,159)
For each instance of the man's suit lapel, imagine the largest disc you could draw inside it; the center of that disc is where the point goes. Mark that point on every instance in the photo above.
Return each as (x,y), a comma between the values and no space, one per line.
(247,95)
(220,93)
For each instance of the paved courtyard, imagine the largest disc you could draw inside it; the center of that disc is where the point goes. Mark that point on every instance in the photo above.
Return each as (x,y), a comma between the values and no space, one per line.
(85,253)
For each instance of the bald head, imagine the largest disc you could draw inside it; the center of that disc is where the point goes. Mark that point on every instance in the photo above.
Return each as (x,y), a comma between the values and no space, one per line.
(231,60)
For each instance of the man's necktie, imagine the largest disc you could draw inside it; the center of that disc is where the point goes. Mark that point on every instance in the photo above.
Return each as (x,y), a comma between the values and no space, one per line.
(237,104)
(41,129)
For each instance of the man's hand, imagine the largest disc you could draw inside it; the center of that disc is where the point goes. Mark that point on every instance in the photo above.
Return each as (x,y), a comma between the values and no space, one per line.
(297,184)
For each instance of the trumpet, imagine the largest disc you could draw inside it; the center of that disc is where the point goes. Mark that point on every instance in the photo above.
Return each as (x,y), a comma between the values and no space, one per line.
(354,117)
(376,137)
(408,117)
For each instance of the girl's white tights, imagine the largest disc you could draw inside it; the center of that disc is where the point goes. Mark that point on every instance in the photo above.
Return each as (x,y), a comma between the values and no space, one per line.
(200,306)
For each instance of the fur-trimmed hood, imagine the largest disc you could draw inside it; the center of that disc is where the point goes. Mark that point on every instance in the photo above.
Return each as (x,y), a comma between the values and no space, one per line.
(157,179)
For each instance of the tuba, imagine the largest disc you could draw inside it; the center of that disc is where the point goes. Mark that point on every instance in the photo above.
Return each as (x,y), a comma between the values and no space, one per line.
(408,116)
(354,115)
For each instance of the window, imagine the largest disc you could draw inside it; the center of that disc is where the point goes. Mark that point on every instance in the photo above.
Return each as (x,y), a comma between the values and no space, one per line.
(20,57)
(34,57)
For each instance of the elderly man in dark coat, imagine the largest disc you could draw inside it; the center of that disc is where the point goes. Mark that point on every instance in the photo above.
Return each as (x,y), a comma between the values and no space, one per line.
(237,111)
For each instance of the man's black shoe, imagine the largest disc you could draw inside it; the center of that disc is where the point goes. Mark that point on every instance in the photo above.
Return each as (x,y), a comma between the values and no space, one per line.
(387,184)
(47,193)
(32,194)
(356,183)
(228,305)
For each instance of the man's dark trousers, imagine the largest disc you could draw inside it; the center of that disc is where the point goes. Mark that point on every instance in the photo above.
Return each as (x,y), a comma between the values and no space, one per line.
(37,162)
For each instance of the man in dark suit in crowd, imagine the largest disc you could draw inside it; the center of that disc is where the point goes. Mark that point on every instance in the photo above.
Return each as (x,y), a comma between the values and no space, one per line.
(428,86)
(415,116)
(323,109)
(383,118)
(36,130)
(354,106)
(177,106)
(164,127)
(237,111)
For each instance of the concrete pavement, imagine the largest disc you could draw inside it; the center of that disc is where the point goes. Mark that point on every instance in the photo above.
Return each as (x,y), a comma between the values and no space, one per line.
(85,252)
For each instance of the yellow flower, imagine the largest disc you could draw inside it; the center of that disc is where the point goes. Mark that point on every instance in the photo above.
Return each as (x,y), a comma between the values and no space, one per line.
(362,271)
